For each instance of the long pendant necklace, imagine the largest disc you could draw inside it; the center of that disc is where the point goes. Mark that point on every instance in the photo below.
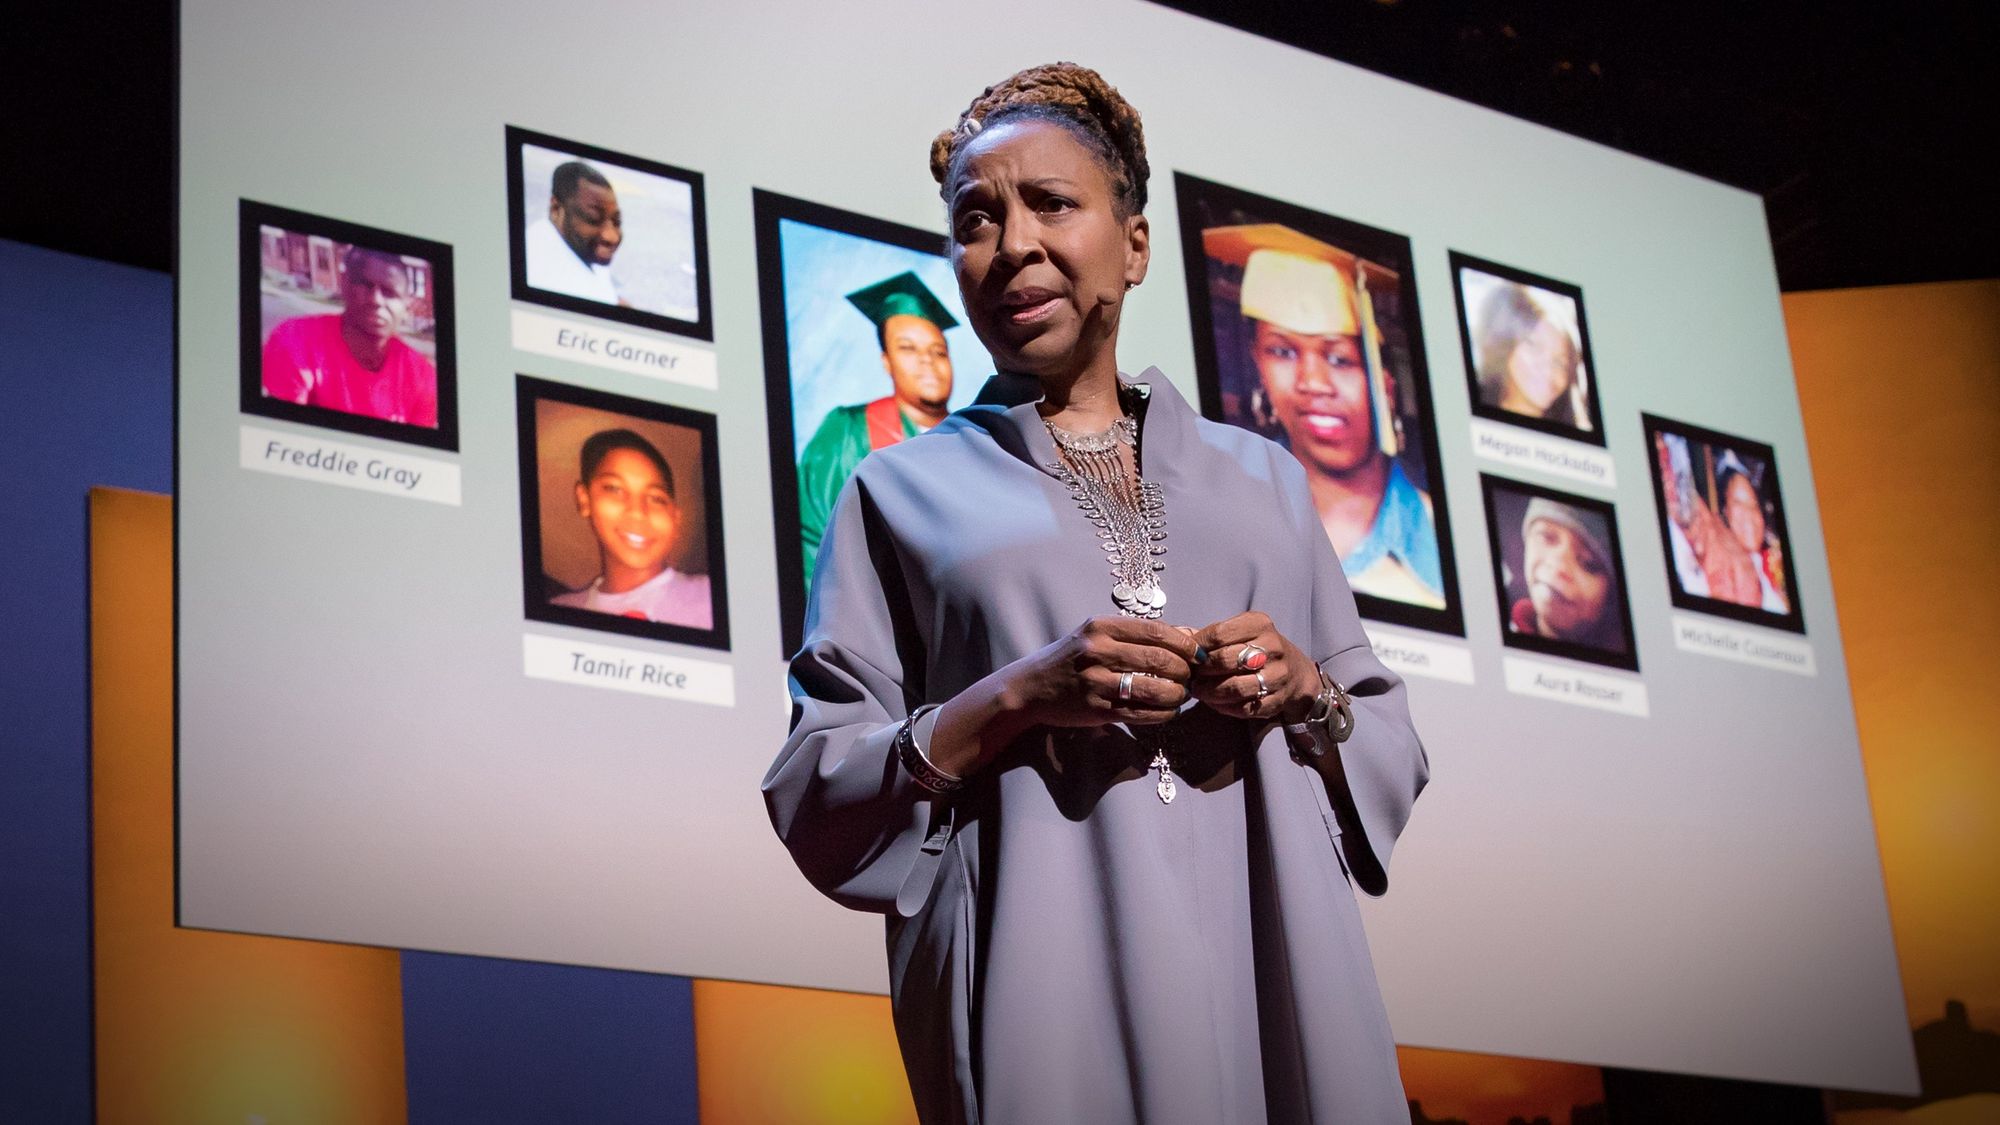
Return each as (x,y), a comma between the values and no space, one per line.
(1130,516)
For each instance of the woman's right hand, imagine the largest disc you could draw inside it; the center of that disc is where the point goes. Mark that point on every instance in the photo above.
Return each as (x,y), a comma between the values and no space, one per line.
(1075,681)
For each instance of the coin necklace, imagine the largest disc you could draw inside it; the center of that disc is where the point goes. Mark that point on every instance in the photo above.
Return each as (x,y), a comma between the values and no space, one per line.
(1131,521)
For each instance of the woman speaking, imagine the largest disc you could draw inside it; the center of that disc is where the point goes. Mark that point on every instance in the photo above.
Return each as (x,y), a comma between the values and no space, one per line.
(1084,707)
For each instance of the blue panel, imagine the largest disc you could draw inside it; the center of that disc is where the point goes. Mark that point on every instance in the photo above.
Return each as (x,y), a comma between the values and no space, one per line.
(86,390)
(493,1042)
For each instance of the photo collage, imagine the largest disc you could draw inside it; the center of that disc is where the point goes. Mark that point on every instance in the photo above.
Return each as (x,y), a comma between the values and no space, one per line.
(1306,331)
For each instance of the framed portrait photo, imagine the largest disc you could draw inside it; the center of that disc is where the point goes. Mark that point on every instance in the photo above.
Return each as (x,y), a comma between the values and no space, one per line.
(1722,520)
(1306,331)
(621,515)
(607,235)
(865,345)
(346,327)
(1558,573)
(1527,350)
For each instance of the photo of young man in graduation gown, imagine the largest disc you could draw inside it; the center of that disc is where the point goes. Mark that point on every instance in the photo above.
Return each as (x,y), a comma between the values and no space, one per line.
(910,324)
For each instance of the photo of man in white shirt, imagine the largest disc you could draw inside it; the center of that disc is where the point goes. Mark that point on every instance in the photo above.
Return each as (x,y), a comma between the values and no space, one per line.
(570,250)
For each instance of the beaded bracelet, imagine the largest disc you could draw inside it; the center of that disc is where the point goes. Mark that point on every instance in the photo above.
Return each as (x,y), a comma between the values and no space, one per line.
(926,775)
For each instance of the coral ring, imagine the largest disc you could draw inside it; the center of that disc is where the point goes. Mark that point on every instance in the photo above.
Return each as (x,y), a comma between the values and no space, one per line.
(1252,658)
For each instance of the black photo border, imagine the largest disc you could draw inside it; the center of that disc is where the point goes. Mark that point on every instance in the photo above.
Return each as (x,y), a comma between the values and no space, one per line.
(1531,642)
(529,390)
(700,328)
(1792,621)
(769,209)
(1190,192)
(250,215)
(1595,436)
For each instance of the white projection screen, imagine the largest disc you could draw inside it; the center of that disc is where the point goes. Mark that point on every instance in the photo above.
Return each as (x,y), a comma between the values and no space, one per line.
(403,722)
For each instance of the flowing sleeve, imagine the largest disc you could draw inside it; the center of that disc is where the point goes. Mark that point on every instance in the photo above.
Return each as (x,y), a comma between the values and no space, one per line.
(854,821)
(1378,772)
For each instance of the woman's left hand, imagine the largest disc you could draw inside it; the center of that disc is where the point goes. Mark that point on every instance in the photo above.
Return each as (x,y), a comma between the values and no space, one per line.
(1279,687)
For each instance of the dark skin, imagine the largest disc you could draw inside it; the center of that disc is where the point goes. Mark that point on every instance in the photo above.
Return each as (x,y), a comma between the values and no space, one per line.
(375,296)
(918,361)
(1044,257)
(590,222)
(1318,387)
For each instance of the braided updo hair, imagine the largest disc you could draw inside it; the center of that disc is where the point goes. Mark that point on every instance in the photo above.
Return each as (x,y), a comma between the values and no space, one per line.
(1074,97)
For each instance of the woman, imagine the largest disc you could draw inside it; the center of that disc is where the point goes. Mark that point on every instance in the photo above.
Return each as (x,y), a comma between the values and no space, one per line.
(1111,893)
(1528,362)
(1743,510)
(1306,320)
(1566,563)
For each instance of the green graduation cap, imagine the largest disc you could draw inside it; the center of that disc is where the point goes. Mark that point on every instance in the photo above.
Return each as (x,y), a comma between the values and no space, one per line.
(901,295)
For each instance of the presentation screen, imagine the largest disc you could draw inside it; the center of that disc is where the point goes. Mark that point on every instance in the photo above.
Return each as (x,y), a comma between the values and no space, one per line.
(519,368)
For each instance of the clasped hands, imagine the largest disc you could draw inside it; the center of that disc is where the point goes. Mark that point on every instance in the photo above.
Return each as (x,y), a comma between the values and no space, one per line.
(1123,669)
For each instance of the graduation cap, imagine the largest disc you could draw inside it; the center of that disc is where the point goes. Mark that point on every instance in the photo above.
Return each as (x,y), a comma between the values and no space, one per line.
(901,295)
(1296,281)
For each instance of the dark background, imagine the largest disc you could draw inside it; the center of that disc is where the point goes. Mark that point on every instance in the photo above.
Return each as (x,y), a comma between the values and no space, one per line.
(1857,124)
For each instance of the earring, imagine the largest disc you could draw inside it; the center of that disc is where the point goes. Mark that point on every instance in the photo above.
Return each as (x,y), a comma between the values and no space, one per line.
(1260,410)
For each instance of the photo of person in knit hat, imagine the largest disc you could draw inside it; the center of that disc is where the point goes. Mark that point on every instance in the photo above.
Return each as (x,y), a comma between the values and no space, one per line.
(1558,573)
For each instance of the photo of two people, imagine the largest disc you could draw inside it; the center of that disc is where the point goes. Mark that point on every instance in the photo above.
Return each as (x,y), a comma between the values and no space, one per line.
(1722,518)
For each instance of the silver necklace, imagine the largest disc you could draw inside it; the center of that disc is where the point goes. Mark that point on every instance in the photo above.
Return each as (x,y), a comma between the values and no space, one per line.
(1131,520)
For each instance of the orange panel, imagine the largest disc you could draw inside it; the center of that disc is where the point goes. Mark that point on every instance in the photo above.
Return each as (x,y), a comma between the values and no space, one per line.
(1493,1089)
(195,1026)
(778,1056)
(1900,388)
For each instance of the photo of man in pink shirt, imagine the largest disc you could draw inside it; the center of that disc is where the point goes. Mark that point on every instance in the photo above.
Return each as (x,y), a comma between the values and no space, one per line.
(356,360)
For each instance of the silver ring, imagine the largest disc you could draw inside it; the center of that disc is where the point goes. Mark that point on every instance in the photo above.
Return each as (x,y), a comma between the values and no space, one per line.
(1243,657)
(1263,689)
(1125,686)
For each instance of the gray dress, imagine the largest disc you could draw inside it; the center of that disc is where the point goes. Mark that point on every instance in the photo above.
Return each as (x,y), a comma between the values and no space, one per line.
(1062,946)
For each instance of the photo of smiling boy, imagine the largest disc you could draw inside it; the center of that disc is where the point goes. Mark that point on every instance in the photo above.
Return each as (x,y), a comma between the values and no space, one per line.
(626,493)
(621,523)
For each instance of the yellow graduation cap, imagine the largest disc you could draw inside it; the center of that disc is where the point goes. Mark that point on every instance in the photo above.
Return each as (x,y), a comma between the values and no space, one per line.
(902,295)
